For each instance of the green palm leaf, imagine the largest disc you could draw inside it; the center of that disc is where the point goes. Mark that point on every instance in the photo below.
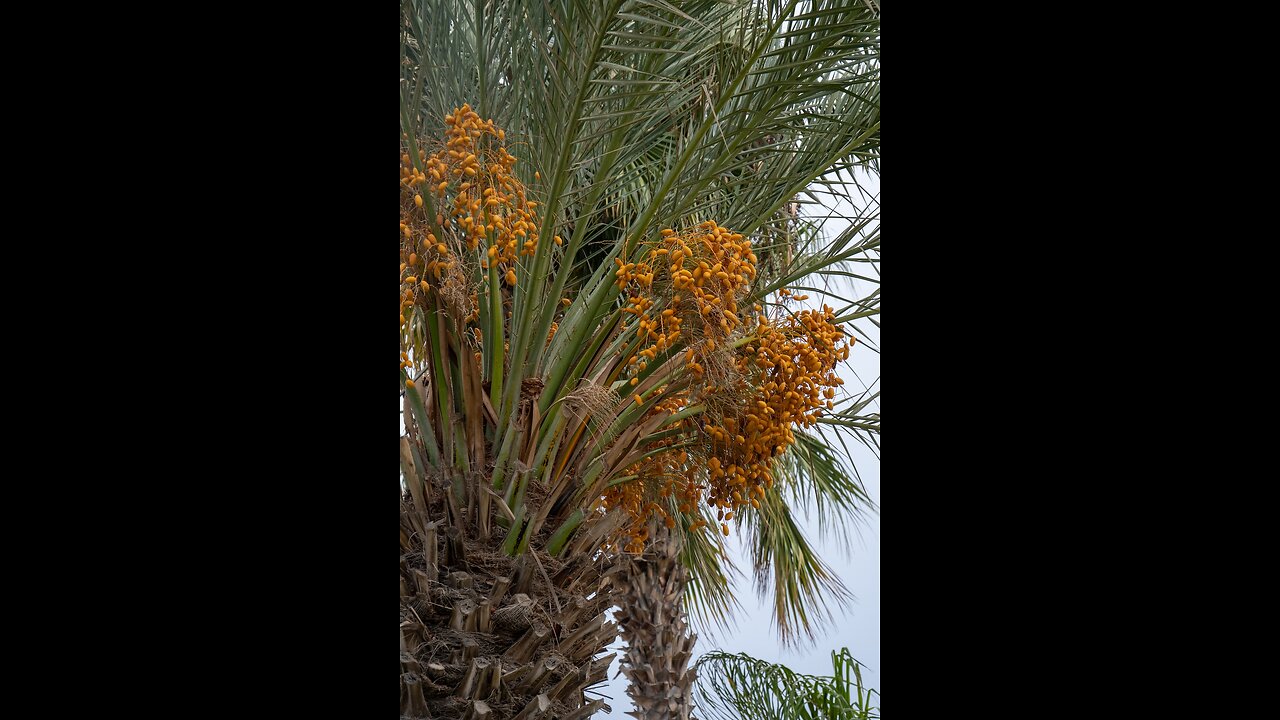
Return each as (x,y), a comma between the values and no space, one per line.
(740,687)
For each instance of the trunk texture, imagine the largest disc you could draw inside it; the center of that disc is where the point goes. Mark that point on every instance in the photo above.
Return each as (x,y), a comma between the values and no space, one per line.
(484,635)
(659,645)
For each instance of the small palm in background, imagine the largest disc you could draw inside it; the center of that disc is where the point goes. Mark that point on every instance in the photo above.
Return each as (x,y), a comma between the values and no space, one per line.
(740,687)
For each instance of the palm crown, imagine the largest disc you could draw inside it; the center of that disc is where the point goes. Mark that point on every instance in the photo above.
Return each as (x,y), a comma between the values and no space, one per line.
(603,335)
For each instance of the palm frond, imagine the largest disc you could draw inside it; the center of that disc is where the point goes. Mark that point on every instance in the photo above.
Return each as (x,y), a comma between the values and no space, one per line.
(709,599)
(787,568)
(815,478)
(740,687)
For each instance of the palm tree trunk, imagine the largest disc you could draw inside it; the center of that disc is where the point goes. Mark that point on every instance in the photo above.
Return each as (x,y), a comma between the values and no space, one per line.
(654,625)
(487,636)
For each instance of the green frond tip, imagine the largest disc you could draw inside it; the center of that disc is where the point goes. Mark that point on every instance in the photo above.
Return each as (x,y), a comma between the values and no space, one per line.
(816,478)
(560,537)
(787,567)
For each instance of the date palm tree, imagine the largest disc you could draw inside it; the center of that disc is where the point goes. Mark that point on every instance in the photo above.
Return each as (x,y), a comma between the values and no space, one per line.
(605,355)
